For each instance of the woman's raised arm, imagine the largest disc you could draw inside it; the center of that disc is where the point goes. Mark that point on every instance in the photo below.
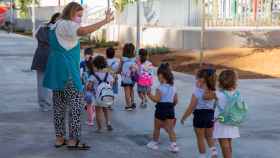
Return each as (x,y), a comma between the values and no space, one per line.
(82,31)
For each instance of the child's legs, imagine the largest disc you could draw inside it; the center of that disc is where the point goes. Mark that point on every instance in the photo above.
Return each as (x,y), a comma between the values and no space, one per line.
(89,112)
(99,115)
(169,128)
(200,136)
(131,94)
(142,96)
(225,144)
(108,116)
(209,137)
(157,125)
(127,95)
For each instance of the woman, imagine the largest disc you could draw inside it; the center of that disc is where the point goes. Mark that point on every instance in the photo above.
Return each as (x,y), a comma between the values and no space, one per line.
(40,61)
(63,73)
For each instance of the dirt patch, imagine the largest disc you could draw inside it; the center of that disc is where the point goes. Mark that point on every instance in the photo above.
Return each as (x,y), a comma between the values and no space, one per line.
(250,63)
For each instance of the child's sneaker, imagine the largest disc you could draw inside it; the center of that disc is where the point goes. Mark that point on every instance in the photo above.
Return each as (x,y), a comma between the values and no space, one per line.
(110,128)
(143,105)
(89,123)
(128,108)
(173,148)
(153,145)
(214,153)
(133,106)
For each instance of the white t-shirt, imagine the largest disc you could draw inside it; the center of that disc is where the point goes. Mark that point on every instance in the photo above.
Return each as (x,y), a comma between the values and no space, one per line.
(113,64)
(66,33)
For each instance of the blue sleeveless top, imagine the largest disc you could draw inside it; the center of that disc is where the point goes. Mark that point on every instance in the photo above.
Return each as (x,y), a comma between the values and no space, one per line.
(63,65)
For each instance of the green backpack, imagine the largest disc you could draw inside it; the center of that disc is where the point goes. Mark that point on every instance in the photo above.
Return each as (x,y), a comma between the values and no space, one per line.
(236,111)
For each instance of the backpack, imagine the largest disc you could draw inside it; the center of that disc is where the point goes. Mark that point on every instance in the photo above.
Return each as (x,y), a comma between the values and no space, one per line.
(236,111)
(104,92)
(145,77)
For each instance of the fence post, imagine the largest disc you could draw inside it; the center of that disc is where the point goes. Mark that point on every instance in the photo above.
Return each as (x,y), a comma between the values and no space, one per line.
(202,32)
(138,33)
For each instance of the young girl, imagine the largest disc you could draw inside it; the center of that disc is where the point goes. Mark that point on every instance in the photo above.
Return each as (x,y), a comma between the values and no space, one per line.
(128,69)
(203,111)
(145,79)
(100,73)
(225,133)
(89,92)
(113,65)
(166,99)
(90,105)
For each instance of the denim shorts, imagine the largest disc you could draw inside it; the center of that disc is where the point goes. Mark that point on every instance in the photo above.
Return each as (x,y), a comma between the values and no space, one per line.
(143,89)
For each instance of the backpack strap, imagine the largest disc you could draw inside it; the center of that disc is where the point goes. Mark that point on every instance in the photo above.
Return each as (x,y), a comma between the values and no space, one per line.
(236,95)
(113,63)
(105,78)
(97,77)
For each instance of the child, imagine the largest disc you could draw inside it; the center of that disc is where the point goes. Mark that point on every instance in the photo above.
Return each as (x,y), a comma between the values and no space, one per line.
(145,79)
(86,70)
(128,69)
(203,111)
(90,105)
(85,64)
(166,99)
(225,133)
(99,76)
(113,65)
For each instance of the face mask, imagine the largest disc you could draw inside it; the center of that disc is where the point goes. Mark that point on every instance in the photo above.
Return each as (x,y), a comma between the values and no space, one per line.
(78,20)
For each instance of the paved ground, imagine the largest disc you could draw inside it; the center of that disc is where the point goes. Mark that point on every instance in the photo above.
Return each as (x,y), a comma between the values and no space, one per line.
(27,133)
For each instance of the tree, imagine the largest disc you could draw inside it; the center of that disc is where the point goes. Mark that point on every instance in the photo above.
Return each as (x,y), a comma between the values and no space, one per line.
(23,7)
(121,4)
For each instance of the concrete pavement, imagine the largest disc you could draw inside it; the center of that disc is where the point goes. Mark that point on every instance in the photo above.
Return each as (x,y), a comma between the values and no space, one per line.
(27,133)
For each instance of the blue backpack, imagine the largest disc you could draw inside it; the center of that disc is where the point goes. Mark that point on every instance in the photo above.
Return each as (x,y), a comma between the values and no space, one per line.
(236,111)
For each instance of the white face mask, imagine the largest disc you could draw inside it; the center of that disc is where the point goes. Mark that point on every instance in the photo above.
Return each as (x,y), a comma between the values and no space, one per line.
(78,20)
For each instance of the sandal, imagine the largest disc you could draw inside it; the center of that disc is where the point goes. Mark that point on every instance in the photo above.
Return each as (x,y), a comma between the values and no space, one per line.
(78,146)
(61,145)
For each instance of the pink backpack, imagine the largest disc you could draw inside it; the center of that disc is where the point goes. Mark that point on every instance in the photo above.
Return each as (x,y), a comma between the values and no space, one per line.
(145,77)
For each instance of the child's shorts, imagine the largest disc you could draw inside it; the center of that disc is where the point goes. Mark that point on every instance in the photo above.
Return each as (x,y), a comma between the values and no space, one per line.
(127,84)
(165,111)
(143,89)
(203,118)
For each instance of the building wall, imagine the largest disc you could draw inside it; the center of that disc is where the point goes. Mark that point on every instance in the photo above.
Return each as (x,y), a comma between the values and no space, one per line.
(190,39)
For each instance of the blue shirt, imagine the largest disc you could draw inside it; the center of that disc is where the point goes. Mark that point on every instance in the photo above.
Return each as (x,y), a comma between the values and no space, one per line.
(83,65)
(168,93)
(63,65)
(201,102)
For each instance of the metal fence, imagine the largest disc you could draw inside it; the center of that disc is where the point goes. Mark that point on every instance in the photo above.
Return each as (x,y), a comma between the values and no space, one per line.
(242,12)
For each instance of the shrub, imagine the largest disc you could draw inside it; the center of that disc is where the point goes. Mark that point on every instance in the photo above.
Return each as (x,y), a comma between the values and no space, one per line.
(157,50)
(106,44)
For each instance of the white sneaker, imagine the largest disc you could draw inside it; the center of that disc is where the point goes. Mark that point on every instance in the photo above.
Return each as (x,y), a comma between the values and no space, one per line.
(153,145)
(89,123)
(173,148)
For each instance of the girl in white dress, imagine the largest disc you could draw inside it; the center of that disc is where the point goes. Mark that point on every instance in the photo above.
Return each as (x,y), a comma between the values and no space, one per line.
(225,133)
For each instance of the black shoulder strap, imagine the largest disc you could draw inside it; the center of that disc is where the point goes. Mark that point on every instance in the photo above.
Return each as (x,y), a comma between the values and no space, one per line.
(106,76)
(97,77)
